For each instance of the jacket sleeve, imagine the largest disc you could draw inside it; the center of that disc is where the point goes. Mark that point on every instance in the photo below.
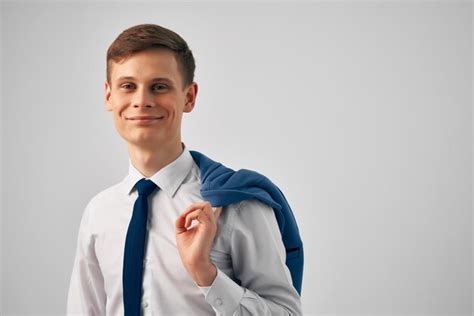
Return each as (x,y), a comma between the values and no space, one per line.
(263,284)
(86,290)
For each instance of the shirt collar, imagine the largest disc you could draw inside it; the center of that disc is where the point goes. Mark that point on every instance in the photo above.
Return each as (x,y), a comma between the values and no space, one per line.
(168,178)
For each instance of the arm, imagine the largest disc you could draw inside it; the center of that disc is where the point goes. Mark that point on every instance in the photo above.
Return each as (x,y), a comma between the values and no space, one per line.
(258,259)
(86,290)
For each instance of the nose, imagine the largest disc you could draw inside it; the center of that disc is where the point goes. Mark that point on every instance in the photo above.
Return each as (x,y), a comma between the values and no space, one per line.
(143,97)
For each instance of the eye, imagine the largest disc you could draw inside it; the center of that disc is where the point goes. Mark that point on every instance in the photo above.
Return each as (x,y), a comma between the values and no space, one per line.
(125,85)
(155,87)
(161,86)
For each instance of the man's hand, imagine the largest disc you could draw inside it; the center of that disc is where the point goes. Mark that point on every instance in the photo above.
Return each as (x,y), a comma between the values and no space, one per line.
(195,242)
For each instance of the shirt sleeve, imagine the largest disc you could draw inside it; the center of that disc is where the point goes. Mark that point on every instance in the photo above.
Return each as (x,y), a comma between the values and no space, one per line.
(263,285)
(86,290)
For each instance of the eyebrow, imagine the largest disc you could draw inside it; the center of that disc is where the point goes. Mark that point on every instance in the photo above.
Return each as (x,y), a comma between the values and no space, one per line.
(154,79)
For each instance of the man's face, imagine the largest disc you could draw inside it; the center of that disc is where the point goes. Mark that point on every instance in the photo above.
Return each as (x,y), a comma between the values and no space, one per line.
(153,88)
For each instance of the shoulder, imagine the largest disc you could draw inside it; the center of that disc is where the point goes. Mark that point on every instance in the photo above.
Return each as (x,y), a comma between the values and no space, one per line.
(253,214)
(252,208)
(104,197)
(255,227)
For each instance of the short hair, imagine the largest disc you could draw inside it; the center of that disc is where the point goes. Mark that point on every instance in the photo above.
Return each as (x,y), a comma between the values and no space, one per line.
(149,36)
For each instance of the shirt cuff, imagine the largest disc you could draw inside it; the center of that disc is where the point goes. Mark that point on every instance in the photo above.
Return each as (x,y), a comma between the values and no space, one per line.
(224,294)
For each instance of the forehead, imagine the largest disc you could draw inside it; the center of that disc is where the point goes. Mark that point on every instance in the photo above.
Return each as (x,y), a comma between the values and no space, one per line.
(147,65)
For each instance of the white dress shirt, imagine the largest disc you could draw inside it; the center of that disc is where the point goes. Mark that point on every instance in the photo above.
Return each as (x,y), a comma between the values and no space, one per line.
(248,252)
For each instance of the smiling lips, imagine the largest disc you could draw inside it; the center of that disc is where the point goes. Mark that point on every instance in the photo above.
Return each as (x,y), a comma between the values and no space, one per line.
(144,118)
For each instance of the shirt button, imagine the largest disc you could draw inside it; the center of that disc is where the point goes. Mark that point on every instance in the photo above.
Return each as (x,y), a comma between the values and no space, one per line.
(218,302)
(145,304)
(145,260)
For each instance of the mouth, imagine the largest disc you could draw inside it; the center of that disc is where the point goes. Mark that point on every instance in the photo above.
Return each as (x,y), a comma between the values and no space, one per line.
(145,118)
(144,121)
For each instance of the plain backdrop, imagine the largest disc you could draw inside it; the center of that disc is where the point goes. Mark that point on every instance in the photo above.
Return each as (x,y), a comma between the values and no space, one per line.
(360,112)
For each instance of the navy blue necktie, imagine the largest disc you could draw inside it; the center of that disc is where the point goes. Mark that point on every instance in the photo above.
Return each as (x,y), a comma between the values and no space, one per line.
(134,249)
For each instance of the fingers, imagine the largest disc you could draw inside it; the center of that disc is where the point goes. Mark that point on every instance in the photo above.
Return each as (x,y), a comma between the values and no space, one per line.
(195,206)
(200,215)
(204,206)
(179,224)
(203,212)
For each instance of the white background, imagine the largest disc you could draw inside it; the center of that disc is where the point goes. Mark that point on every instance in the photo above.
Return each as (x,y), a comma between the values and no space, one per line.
(360,112)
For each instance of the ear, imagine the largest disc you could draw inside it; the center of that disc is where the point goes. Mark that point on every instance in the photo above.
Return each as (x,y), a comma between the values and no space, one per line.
(191,95)
(107,103)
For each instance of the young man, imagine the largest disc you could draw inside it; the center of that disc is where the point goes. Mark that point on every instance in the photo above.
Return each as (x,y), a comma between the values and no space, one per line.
(151,244)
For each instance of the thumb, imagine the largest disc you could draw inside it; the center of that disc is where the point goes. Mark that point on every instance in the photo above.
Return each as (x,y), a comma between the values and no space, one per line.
(217,211)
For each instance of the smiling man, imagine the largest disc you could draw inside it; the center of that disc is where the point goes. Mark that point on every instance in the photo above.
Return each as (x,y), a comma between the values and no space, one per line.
(168,239)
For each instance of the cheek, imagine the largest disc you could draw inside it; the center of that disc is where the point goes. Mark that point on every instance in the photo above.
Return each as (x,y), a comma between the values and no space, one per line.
(119,111)
(170,110)
(119,117)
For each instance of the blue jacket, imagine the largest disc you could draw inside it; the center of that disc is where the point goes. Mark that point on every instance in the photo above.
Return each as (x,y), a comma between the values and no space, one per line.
(222,186)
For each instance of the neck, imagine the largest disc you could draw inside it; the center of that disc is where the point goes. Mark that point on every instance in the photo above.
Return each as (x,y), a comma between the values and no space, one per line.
(151,160)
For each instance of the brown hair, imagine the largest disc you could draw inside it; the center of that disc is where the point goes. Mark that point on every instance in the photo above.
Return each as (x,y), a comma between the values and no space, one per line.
(148,36)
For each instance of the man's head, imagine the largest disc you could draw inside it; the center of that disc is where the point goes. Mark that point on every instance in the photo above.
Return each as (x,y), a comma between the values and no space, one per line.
(150,72)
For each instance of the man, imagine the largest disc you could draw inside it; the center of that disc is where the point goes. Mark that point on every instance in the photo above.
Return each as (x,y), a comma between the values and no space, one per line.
(195,259)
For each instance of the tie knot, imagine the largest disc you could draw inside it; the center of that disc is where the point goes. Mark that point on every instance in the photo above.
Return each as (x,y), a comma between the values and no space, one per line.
(145,187)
